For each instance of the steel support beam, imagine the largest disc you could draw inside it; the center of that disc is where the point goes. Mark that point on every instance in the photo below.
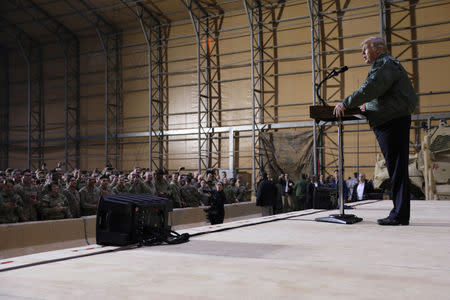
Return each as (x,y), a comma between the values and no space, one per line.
(70,45)
(206,29)
(327,52)
(405,16)
(264,70)
(31,52)
(109,38)
(314,15)
(4,107)
(156,36)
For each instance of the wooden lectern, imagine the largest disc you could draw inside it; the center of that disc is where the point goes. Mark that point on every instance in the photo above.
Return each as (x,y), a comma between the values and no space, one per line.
(325,113)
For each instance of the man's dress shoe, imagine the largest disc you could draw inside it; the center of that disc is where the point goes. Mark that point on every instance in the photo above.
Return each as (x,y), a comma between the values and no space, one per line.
(392,222)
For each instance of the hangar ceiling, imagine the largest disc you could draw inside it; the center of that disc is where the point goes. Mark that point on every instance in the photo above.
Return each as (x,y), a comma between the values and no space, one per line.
(33,16)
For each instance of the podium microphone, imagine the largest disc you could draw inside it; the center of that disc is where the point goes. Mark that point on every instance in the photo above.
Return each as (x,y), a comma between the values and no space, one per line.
(342,70)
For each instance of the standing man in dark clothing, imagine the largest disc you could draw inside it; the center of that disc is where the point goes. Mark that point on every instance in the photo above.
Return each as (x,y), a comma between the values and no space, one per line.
(287,184)
(300,193)
(216,213)
(266,195)
(388,98)
(312,185)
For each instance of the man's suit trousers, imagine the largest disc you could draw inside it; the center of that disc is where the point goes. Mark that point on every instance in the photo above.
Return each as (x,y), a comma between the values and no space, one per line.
(393,138)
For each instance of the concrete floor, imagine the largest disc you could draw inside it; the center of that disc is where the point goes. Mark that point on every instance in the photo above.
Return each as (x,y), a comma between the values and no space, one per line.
(294,258)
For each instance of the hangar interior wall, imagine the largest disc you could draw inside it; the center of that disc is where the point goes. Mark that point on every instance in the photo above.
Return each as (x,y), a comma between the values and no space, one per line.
(422,45)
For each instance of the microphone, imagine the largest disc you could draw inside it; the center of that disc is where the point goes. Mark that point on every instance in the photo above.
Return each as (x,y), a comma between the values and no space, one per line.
(342,70)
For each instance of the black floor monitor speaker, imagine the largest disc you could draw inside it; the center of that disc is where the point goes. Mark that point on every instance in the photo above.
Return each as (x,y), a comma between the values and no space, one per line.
(127,219)
(324,198)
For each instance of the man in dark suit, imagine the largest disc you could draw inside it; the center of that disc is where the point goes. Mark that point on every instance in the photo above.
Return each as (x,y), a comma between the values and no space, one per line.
(287,188)
(335,184)
(362,188)
(266,195)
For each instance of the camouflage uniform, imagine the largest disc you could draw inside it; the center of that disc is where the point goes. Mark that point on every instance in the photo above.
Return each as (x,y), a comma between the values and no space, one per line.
(137,188)
(161,187)
(229,194)
(29,194)
(89,198)
(241,193)
(120,189)
(211,184)
(190,195)
(73,198)
(10,214)
(105,190)
(175,195)
(81,183)
(204,194)
(48,207)
(149,187)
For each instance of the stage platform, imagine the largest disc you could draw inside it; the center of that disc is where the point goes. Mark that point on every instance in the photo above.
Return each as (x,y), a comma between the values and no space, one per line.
(288,256)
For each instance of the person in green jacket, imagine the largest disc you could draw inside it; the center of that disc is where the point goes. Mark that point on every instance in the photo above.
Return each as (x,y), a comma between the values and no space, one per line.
(300,192)
(389,99)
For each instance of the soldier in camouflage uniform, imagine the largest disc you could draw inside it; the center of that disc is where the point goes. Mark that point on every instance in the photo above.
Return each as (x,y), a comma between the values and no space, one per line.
(104,185)
(17,176)
(161,185)
(148,183)
(29,194)
(73,197)
(175,195)
(204,192)
(210,181)
(189,194)
(241,191)
(2,181)
(81,179)
(136,185)
(54,205)
(229,191)
(113,179)
(53,176)
(89,197)
(175,180)
(120,187)
(11,205)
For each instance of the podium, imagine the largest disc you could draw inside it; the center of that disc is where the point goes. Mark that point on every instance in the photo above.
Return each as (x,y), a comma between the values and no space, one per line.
(325,113)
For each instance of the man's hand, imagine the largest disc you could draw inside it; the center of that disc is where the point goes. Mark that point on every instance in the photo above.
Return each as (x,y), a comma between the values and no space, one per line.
(339,110)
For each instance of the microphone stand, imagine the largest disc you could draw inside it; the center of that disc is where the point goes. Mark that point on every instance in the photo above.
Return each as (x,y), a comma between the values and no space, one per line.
(340,218)
(333,73)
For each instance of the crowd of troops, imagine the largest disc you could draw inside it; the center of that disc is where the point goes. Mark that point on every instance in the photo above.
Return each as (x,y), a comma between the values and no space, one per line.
(27,195)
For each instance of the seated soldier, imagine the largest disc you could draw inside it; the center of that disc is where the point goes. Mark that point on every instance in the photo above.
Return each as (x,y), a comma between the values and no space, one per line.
(54,205)
(205,192)
(120,187)
(11,205)
(89,197)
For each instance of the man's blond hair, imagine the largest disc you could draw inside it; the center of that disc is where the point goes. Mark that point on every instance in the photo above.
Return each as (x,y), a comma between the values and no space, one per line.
(375,42)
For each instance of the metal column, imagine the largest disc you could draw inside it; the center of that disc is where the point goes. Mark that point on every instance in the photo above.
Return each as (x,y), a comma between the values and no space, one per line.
(264,70)
(31,52)
(156,35)
(4,107)
(70,45)
(327,52)
(314,15)
(109,38)
(206,28)
(401,38)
